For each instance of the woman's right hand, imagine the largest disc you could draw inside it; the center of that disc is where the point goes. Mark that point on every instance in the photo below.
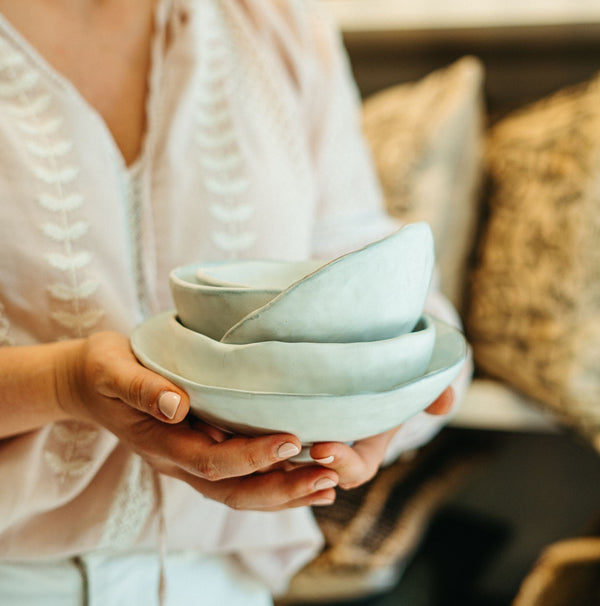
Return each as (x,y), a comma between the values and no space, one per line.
(99,379)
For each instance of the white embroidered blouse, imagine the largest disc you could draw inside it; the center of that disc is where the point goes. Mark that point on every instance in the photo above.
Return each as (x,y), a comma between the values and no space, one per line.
(253,150)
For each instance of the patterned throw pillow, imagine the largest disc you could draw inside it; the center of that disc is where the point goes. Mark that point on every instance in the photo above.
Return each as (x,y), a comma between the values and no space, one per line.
(534,317)
(567,573)
(426,141)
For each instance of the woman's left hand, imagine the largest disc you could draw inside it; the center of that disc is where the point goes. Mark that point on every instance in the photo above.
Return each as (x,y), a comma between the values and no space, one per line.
(357,464)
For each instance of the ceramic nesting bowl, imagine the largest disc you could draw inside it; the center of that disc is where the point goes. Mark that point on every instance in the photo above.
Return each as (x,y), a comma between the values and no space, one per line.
(369,294)
(302,368)
(366,295)
(211,305)
(268,275)
(313,418)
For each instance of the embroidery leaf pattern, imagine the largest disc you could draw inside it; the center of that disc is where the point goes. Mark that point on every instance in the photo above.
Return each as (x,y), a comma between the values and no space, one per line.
(56,177)
(225,178)
(70,457)
(132,507)
(24,98)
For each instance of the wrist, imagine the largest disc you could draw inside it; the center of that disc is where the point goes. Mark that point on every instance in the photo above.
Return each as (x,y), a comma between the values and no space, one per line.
(67,385)
(31,380)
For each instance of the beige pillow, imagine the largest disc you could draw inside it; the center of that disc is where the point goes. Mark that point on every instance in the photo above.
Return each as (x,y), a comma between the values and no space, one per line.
(535,308)
(426,142)
(566,573)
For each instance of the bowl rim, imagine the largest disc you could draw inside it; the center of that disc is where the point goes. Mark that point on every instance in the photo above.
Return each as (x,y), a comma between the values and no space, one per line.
(426,319)
(309,266)
(176,280)
(159,324)
(182,277)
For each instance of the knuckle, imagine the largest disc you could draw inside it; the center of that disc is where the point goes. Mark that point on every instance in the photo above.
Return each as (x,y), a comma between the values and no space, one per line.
(145,453)
(140,438)
(372,472)
(207,469)
(135,395)
(95,372)
(233,501)
(94,363)
(254,460)
(359,480)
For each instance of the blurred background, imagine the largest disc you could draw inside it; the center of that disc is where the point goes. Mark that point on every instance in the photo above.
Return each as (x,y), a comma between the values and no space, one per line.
(484,120)
(530,47)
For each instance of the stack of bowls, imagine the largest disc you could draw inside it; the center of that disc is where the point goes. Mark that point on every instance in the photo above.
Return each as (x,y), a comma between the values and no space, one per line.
(337,351)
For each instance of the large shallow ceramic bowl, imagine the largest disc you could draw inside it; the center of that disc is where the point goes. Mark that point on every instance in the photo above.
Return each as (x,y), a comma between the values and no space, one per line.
(213,308)
(312,418)
(366,295)
(309,368)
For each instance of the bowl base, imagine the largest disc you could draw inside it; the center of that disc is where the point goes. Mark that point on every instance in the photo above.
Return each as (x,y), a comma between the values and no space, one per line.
(303,456)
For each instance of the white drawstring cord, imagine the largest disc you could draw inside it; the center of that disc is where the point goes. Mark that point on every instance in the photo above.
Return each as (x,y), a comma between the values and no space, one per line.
(162,541)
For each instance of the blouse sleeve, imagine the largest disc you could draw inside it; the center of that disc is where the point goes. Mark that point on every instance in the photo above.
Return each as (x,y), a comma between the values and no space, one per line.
(351,211)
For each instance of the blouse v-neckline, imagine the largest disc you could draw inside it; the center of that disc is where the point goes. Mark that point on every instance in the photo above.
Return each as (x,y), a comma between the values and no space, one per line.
(162,14)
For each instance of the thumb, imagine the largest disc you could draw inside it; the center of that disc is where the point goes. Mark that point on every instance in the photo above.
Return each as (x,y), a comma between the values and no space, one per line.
(141,388)
(443,404)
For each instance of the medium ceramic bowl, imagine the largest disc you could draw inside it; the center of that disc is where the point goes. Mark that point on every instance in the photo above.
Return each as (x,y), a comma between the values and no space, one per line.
(312,418)
(367,295)
(307,368)
(211,307)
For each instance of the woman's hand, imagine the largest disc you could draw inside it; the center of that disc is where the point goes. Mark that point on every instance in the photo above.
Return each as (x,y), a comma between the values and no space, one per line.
(358,464)
(99,379)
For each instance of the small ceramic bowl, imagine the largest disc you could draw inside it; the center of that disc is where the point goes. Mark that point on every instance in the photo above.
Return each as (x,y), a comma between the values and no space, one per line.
(312,418)
(206,304)
(369,294)
(306,368)
(270,275)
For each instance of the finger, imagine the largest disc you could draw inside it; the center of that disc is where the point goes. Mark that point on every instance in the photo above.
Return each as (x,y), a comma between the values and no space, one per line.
(241,456)
(199,454)
(443,404)
(120,375)
(321,498)
(217,435)
(345,461)
(271,491)
(354,465)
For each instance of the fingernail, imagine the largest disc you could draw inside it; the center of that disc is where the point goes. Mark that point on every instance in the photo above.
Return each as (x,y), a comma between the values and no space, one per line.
(287,450)
(324,483)
(324,461)
(168,403)
(319,502)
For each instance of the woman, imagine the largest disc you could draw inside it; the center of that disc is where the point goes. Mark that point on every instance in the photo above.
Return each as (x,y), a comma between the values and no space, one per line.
(138,136)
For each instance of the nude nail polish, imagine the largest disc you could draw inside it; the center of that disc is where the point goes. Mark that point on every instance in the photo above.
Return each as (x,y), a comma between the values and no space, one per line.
(320,502)
(287,450)
(325,460)
(324,483)
(168,403)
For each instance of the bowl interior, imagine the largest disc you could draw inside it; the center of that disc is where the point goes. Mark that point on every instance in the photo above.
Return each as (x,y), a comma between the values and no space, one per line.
(267,274)
(212,310)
